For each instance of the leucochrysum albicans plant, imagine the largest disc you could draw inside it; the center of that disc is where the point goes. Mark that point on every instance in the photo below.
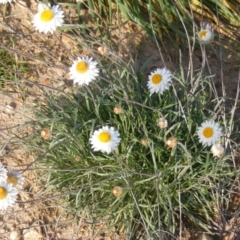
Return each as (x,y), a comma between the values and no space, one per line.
(132,151)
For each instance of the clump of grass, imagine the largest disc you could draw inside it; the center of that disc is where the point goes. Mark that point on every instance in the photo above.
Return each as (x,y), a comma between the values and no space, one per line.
(7,60)
(146,183)
(160,18)
(10,67)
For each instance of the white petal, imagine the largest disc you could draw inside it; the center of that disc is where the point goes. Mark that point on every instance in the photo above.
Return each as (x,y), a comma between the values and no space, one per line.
(105,147)
(163,85)
(88,76)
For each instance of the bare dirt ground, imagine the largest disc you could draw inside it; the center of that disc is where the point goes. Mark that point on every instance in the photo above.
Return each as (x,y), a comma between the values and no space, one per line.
(46,57)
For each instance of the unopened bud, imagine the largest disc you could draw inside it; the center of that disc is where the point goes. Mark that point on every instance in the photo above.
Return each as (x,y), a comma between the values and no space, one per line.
(162,122)
(45,134)
(117,109)
(172,142)
(117,191)
(217,150)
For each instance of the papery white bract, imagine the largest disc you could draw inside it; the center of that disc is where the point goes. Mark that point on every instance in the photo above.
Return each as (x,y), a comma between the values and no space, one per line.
(159,80)
(83,70)
(209,133)
(217,150)
(7,195)
(15,178)
(106,139)
(206,34)
(48,18)
(3,173)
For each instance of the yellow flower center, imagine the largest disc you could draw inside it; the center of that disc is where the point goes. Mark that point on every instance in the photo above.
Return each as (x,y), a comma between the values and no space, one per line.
(208,132)
(13,180)
(156,78)
(82,67)
(47,15)
(104,137)
(3,193)
(203,33)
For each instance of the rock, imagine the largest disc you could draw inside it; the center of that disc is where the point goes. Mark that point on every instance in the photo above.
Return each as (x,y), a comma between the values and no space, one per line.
(31,234)
(205,237)
(14,235)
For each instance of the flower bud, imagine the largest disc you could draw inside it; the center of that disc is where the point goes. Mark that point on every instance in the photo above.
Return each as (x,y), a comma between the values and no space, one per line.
(206,34)
(144,141)
(103,50)
(217,150)
(172,142)
(162,122)
(77,158)
(117,191)
(117,109)
(45,134)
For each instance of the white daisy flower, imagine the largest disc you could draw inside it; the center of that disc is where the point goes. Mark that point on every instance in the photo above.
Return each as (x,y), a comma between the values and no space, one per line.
(3,173)
(209,133)
(217,150)
(48,18)
(6,1)
(7,195)
(15,178)
(83,70)
(159,80)
(206,34)
(105,139)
